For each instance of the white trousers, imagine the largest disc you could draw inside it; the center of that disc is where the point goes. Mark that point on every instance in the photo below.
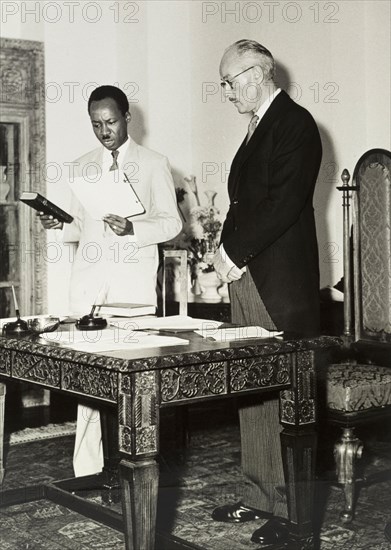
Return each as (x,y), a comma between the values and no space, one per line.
(88,452)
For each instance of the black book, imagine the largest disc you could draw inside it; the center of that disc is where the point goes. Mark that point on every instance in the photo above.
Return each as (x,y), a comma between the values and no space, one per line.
(42,204)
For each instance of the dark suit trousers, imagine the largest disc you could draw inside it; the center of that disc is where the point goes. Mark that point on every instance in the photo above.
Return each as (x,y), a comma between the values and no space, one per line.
(259,417)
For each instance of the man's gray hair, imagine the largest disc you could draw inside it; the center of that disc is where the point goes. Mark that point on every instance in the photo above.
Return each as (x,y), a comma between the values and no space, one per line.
(258,51)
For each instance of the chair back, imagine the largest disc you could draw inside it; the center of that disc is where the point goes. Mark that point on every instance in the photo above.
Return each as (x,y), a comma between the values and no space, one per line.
(372,246)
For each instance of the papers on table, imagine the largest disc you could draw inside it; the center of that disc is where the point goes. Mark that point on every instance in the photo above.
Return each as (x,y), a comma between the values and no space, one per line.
(172,323)
(109,195)
(236,333)
(133,333)
(110,339)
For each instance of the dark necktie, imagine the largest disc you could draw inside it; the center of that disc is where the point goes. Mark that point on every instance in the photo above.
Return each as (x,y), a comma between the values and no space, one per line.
(114,166)
(251,127)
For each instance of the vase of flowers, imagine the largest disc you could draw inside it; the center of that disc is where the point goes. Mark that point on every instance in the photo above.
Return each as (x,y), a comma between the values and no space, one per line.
(201,238)
(209,284)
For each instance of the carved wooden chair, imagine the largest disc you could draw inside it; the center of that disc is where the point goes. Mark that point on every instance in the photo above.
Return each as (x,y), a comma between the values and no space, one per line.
(359,388)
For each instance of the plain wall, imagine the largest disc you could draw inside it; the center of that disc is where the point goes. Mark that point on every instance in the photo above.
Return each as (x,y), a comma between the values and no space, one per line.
(332,57)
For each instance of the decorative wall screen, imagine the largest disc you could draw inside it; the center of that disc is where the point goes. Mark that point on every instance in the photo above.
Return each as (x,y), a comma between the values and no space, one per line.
(22,167)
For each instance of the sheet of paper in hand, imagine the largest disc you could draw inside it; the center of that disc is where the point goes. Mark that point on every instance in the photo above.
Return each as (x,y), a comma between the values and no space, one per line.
(111,194)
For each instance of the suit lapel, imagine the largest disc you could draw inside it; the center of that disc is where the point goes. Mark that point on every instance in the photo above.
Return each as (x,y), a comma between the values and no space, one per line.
(278,106)
(235,168)
(131,164)
(97,156)
(131,151)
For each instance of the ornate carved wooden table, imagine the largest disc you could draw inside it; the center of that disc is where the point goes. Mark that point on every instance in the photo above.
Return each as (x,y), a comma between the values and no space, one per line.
(139,383)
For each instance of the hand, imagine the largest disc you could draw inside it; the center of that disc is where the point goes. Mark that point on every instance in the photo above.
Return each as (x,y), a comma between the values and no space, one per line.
(224,270)
(119,226)
(48,222)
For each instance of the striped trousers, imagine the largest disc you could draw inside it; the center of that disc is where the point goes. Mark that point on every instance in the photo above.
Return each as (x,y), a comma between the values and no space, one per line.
(261,459)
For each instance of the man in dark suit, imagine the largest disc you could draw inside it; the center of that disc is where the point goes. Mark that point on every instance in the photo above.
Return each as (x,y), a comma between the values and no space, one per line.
(269,255)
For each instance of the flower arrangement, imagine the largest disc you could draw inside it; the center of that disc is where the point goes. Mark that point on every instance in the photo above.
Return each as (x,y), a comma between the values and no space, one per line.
(202,231)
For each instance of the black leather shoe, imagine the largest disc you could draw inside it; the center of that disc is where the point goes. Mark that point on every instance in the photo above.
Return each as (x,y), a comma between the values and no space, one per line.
(238,513)
(275,531)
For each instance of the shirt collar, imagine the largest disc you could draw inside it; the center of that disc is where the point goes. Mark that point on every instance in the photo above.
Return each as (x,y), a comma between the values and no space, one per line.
(107,156)
(266,104)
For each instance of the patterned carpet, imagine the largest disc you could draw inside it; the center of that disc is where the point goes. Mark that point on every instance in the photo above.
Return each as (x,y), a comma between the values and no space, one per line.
(188,494)
(42,432)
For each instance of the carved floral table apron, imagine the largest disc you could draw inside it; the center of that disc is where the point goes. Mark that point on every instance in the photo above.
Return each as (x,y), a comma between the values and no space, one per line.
(138,383)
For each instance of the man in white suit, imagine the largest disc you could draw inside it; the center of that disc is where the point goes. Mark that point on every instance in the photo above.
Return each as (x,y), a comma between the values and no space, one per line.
(117,254)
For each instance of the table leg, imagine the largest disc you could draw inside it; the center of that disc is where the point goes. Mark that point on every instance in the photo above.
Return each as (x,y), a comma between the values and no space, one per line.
(139,485)
(138,443)
(2,405)
(298,447)
(299,454)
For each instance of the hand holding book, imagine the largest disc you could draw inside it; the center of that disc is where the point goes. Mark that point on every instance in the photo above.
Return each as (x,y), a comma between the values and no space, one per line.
(48,222)
(51,215)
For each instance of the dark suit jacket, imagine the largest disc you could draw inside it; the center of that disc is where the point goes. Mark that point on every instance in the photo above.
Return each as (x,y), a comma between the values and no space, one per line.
(270,225)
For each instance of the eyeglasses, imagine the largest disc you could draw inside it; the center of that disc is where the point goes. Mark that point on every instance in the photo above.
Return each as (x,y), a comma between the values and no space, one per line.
(227,82)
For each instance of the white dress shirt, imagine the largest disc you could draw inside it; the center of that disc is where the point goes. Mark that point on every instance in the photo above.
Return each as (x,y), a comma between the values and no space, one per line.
(108,159)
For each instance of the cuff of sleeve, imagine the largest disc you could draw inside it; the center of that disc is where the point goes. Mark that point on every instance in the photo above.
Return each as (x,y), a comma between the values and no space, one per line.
(225,257)
(228,260)
(132,238)
(129,228)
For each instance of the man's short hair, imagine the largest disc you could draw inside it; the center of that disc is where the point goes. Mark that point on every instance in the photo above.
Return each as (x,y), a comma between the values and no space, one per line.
(103,92)
(266,59)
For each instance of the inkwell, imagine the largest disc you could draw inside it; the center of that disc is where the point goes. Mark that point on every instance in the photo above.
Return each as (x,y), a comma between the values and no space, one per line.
(89,322)
(18,327)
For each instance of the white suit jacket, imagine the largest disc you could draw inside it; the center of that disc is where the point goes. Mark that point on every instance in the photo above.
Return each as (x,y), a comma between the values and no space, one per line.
(123,268)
